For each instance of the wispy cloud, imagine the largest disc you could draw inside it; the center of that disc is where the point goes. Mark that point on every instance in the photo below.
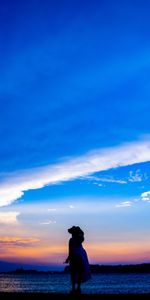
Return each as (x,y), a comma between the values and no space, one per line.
(96,180)
(18,241)
(125,204)
(9,217)
(136,176)
(48,222)
(14,185)
(98,184)
(145,196)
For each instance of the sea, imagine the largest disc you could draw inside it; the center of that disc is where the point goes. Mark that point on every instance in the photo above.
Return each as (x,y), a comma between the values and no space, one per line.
(134,283)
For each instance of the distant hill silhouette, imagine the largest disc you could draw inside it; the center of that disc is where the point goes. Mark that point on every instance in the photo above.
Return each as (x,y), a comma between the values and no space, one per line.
(6,266)
(32,271)
(139,268)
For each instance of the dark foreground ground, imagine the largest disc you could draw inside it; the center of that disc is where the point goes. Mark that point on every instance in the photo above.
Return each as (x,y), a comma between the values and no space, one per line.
(49,296)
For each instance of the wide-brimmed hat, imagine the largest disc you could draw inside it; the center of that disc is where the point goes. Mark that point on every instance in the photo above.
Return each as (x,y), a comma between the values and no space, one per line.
(75,230)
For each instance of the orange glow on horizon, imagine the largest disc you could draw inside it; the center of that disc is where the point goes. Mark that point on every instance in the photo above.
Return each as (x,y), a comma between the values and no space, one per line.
(117,252)
(97,253)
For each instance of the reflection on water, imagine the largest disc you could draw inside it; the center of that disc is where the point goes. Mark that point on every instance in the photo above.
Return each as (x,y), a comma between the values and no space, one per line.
(60,283)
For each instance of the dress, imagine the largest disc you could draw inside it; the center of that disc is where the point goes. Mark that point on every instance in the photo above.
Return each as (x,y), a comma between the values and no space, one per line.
(78,259)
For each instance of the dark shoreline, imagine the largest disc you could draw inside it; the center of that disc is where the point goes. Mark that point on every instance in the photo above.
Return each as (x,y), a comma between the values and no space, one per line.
(95,269)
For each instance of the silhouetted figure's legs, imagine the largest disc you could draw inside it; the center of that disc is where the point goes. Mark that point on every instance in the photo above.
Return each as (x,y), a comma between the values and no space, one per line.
(79,287)
(73,283)
(76,287)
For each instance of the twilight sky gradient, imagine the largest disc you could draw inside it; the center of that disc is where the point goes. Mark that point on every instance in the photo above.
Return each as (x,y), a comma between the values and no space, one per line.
(74,129)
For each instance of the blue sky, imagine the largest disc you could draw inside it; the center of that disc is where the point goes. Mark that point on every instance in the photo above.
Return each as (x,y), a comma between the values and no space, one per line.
(74,124)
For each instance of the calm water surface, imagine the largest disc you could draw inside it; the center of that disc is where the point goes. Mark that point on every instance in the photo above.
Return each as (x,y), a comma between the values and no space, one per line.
(60,283)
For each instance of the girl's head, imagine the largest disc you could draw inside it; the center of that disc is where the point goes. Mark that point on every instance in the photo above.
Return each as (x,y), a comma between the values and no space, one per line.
(75,230)
(77,233)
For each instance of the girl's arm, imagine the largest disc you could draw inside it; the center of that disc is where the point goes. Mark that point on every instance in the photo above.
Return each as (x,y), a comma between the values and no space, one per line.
(69,255)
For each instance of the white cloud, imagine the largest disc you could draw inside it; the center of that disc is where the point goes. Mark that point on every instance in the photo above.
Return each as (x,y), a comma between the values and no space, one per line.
(98,184)
(120,181)
(9,217)
(105,179)
(15,184)
(124,204)
(145,196)
(10,193)
(136,176)
(48,222)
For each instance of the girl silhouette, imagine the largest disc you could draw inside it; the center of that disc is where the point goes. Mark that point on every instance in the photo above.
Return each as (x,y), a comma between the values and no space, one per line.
(77,259)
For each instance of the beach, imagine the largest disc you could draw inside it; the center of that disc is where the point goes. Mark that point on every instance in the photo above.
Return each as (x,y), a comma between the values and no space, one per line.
(57,286)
